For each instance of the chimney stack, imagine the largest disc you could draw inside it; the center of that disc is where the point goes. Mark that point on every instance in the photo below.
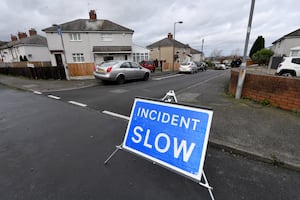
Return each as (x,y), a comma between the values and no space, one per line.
(22,35)
(170,36)
(93,15)
(32,32)
(13,37)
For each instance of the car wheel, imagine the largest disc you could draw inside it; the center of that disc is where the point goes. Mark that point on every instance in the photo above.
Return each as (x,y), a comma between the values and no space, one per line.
(146,77)
(288,74)
(121,79)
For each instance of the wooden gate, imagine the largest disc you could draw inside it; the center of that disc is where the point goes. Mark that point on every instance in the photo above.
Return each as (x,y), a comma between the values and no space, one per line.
(81,69)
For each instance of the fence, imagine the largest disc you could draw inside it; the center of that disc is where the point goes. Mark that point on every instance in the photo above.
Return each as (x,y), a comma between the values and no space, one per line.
(275,60)
(81,69)
(25,64)
(35,72)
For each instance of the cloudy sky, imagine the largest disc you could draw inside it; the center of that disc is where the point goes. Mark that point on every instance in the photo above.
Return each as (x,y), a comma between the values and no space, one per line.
(221,24)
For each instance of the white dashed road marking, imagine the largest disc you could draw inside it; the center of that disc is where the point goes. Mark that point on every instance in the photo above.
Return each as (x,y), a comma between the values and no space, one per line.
(53,97)
(115,115)
(37,92)
(165,77)
(58,98)
(77,103)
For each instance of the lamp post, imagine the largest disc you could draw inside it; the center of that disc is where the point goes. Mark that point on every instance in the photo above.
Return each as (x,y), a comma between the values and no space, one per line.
(59,32)
(179,22)
(242,70)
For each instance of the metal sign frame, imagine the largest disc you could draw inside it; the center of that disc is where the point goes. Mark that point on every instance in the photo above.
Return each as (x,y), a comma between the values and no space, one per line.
(170,101)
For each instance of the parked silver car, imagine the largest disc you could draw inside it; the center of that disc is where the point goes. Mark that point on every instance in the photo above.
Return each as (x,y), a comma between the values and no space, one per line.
(189,67)
(120,71)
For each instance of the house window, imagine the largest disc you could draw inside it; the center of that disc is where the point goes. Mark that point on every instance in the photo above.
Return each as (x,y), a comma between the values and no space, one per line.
(106,37)
(142,56)
(78,57)
(295,52)
(75,37)
(138,57)
(146,56)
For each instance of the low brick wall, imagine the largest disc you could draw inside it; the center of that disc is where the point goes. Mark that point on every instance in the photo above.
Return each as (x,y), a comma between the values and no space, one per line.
(283,92)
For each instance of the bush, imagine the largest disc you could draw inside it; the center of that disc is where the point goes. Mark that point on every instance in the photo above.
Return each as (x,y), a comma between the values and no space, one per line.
(262,57)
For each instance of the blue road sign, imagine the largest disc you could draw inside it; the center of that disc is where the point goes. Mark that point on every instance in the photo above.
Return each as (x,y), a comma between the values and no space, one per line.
(172,135)
(59,31)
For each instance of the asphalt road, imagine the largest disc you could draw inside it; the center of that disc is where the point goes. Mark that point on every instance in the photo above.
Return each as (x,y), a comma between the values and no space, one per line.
(119,98)
(50,149)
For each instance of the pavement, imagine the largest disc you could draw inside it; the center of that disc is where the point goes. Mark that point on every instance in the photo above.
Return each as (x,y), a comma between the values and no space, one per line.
(243,127)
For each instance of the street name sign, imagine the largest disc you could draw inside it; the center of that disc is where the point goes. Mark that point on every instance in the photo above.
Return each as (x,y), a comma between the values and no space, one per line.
(172,135)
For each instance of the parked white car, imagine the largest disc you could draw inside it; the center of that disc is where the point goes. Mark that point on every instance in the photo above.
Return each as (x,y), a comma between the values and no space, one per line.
(220,66)
(290,66)
(188,67)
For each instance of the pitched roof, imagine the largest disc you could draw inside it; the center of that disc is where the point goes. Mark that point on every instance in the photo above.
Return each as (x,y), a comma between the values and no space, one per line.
(35,40)
(295,33)
(167,42)
(87,25)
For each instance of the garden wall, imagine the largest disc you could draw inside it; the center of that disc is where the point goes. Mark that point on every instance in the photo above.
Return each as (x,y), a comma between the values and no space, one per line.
(283,92)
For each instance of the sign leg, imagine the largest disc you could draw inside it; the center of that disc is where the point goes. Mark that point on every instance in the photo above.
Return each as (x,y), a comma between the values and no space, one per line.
(170,97)
(119,147)
(205,184)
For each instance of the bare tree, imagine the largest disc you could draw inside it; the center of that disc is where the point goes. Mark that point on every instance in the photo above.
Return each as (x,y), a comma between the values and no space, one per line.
(236,52)
(216,53)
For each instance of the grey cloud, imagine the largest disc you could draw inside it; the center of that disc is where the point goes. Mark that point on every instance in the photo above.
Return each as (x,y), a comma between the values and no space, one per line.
(222,24)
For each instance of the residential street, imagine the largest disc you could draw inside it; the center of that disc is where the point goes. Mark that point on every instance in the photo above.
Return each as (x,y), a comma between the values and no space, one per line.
(52,149)
(102,101)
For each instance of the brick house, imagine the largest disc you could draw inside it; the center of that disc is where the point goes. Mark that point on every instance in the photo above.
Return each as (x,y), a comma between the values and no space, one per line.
(284,45)
(163,50)
(83,42)
(32,48)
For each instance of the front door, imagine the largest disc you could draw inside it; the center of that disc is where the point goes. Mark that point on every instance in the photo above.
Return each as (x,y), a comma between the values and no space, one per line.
(58,60)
